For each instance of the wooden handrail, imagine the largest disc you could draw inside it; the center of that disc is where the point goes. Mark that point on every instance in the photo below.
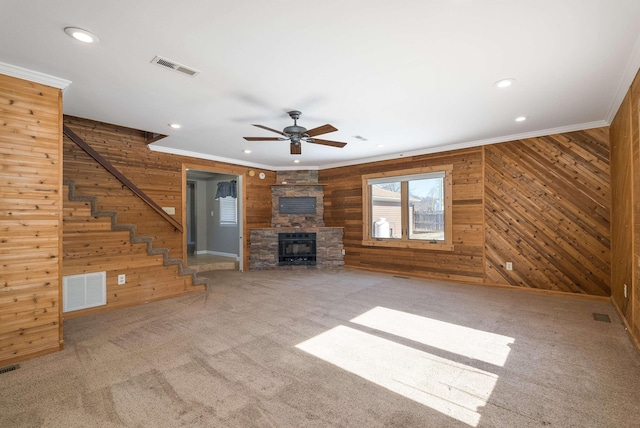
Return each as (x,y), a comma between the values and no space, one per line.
(117,174)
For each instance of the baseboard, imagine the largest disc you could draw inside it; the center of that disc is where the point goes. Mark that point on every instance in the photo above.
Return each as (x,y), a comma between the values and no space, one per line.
(219,253)
(488,284)
(113,306)
(30,356)
(627,327)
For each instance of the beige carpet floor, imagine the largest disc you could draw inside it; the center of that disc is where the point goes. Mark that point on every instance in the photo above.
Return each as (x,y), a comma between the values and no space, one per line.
(335,349)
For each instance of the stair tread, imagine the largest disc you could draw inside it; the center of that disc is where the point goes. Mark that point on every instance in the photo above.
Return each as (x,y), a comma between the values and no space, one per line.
(84,221)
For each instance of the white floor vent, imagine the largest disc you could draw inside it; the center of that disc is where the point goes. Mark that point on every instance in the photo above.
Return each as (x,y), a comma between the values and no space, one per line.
(84,291)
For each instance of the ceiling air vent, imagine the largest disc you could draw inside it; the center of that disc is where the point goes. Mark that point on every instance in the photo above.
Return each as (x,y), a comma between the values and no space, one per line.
(172,65)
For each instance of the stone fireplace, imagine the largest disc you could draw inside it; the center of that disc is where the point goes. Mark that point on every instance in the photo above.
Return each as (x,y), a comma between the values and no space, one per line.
(297,237)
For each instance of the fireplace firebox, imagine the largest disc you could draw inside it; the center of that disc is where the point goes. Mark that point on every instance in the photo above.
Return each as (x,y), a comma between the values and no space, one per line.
(296,249)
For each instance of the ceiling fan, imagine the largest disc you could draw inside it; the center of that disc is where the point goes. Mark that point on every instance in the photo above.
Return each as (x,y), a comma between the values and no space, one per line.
(297,134)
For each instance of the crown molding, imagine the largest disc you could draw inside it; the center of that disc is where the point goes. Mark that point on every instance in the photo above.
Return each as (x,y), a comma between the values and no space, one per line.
(198,155)
(33,76)
(475,143)
(426,151)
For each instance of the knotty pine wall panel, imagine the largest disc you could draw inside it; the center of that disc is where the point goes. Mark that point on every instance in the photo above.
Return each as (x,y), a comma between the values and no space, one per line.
(625,181)
(343,208)
(547,211)
(30,219)
(160,175)
(621,206)
(543,204)
(89,245)
(635,196)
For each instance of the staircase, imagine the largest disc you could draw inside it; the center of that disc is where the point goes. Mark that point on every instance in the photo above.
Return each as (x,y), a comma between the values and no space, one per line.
(94,241)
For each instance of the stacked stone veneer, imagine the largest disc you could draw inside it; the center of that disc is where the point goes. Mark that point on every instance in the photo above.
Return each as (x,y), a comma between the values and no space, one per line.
(264,248)
(299,220)
(264,242)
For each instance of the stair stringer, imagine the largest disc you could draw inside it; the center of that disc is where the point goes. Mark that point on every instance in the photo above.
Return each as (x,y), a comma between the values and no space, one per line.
(133,237)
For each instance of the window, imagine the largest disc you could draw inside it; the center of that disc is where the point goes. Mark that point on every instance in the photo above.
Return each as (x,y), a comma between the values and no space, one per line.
(228,210)
(409,208)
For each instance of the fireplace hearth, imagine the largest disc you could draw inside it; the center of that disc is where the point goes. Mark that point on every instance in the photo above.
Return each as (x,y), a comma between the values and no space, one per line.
(296,249)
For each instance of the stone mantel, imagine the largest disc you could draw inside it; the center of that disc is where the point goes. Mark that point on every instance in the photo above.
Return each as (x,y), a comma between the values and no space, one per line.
(304,229)
(287,184)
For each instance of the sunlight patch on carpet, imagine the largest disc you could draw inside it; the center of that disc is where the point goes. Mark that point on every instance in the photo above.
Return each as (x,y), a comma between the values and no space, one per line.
(456,390)
(477,344)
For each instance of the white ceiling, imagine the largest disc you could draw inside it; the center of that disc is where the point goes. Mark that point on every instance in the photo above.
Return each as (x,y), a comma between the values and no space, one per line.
(414,76)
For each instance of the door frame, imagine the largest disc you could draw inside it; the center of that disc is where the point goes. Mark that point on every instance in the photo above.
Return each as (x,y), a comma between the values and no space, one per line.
(241,191)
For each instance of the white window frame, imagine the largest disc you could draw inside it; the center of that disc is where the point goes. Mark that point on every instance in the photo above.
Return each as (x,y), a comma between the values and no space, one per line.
(228,211)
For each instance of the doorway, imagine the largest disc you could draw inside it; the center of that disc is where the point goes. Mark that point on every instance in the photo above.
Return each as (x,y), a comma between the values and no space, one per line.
(213,236)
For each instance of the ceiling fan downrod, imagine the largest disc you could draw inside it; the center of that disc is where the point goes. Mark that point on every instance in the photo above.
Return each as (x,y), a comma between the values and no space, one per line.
(294,130)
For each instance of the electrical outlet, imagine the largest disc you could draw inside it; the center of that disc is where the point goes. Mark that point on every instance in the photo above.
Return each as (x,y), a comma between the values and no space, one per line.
(625,291)
(509,266)
(122,279)
(344,252)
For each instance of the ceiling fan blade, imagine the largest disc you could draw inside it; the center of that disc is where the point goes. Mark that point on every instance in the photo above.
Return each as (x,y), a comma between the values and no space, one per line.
(326,142)
(324,129)
(262,138)
(296,149)
(271,129)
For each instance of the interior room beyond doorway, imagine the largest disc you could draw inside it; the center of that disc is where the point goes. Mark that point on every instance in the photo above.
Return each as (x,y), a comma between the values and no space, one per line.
(213,220)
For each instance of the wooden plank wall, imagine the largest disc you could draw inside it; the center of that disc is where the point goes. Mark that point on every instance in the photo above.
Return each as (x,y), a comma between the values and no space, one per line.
(621,206)
(90,245)
(625,182)
(547,211)
(160,175)
(542,204)
(152,172)
(343,208)
(635,196)
(30,219)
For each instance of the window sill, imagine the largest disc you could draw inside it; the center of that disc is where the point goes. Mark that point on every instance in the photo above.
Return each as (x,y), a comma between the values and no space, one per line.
(398,243)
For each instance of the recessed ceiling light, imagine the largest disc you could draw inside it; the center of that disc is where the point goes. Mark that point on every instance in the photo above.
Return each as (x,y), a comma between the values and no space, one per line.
(504,83)
(521,118)
(175,125)
(296,161)
(247,151)
(81,35)
(380,146)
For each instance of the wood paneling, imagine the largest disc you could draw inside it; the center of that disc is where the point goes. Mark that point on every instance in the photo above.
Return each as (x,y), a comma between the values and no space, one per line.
(621,206)
(90,245)
(30,215)
(343,208)
(625,182)
(160,175)
(547,212)
(154,173)
(634,298)
(542,204)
